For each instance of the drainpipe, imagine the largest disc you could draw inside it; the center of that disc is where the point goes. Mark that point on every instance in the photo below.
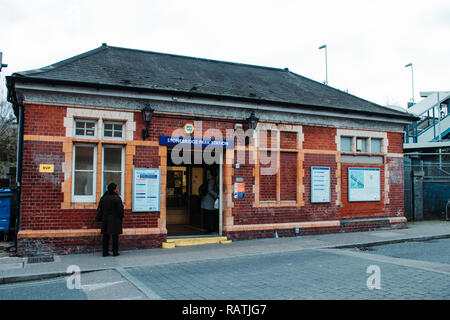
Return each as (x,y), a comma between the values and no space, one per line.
(19,172)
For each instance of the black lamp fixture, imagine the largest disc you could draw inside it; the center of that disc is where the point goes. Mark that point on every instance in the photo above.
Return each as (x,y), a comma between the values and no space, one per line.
(252,122)
(147,114)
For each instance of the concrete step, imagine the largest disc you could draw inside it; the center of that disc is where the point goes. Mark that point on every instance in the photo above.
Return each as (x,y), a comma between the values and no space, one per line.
(183,242)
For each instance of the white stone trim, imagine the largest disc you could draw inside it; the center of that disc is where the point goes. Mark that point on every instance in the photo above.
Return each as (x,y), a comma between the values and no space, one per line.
(100,116)
(362,134)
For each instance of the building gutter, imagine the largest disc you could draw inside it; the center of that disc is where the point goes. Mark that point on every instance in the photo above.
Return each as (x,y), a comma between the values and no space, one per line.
(19,113)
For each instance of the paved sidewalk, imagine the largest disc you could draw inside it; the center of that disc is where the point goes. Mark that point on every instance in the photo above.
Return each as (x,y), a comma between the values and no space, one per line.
(15,269)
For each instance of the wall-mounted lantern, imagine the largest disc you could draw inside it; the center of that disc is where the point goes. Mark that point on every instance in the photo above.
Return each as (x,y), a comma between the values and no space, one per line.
(252,122)
(147,114)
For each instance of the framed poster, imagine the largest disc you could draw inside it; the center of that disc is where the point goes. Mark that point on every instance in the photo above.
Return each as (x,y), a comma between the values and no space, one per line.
(320,184)
(363,184)
(146,190)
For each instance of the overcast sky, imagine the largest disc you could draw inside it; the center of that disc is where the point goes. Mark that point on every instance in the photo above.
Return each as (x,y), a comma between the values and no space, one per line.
(369,42)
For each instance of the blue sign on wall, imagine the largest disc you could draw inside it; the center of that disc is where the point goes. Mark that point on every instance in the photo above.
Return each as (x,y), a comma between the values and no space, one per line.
(189,141)
(146,189)
(363,184)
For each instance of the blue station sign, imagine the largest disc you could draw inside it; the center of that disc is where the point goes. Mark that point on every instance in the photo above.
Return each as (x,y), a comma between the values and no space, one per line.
(190,141)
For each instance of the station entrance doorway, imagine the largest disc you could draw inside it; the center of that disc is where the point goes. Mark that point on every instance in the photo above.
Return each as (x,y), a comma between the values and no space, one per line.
(184,213)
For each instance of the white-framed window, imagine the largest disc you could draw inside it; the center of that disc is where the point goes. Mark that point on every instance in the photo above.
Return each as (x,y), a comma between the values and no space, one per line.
(113,130)
(352,144)
(85,128)
(113,167)
(84,173)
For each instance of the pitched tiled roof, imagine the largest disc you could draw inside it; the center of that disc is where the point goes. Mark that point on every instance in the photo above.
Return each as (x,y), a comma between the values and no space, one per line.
(137,69)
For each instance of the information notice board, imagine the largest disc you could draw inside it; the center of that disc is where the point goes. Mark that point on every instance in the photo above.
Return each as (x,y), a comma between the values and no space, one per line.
(320,184)
(363,184)
(146,189)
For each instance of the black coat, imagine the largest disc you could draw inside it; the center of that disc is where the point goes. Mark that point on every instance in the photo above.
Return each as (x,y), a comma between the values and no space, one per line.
(110,213)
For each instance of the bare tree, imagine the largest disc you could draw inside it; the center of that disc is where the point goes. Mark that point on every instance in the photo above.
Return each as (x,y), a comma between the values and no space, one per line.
(8,131)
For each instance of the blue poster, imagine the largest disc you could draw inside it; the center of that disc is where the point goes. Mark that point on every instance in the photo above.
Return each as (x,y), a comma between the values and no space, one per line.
(320,184)
(146,190)
(364,184)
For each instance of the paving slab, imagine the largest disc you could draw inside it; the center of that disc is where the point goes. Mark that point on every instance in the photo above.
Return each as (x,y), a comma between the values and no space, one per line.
(11,272)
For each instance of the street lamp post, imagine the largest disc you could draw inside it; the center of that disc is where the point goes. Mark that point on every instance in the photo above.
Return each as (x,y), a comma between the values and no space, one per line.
(412,79)
(326,63)
(2,65)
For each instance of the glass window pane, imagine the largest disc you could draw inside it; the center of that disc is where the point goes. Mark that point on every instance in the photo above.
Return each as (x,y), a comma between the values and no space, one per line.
(90,132)
(84,158)
(108,126)
(376,145)
(84,128)
(107,133)
(110,177)
(83,184)
(90,125)
(346,144)
(79,124)
(361,145)
(79,132)
(112,159)
(118,134)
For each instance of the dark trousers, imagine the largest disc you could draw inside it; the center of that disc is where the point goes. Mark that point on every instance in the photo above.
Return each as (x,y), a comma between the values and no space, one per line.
(209,220)
(115,243)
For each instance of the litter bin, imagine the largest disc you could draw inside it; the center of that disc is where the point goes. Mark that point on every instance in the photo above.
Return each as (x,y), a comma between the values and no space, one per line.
(5,211)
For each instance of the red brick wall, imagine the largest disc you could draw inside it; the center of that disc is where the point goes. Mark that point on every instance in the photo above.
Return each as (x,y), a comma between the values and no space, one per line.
(360,209)
(396,172)
(146,157)
(41,192)
(44,120)
(42,197)
(320,211)
(395,142)
(288,140)
(319,138)
(396,187)
(164,126)
(68,245)
(268,182)
(288,176)
(243,211)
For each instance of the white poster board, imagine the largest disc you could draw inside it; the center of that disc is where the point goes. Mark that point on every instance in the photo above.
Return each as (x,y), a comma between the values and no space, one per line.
(363,184)
(146,190)
(320,184)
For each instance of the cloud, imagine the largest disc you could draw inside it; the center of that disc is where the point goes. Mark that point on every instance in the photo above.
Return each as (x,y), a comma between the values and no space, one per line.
(368,42)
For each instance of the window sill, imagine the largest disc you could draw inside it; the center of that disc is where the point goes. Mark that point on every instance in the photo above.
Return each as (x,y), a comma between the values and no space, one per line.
(351,153)
(268,204)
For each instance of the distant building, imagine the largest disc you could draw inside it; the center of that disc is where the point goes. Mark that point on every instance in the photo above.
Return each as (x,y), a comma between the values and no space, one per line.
(427,161)
(117,114)
(432,131)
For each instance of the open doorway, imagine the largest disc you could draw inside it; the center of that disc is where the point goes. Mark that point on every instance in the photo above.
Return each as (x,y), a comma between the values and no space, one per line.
(186,185)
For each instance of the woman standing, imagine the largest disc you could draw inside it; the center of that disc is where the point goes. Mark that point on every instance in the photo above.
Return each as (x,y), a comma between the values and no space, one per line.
(208,201)
(110,213)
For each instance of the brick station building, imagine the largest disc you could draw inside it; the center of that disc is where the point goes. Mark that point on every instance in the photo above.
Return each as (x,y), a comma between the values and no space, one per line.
(338,158)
